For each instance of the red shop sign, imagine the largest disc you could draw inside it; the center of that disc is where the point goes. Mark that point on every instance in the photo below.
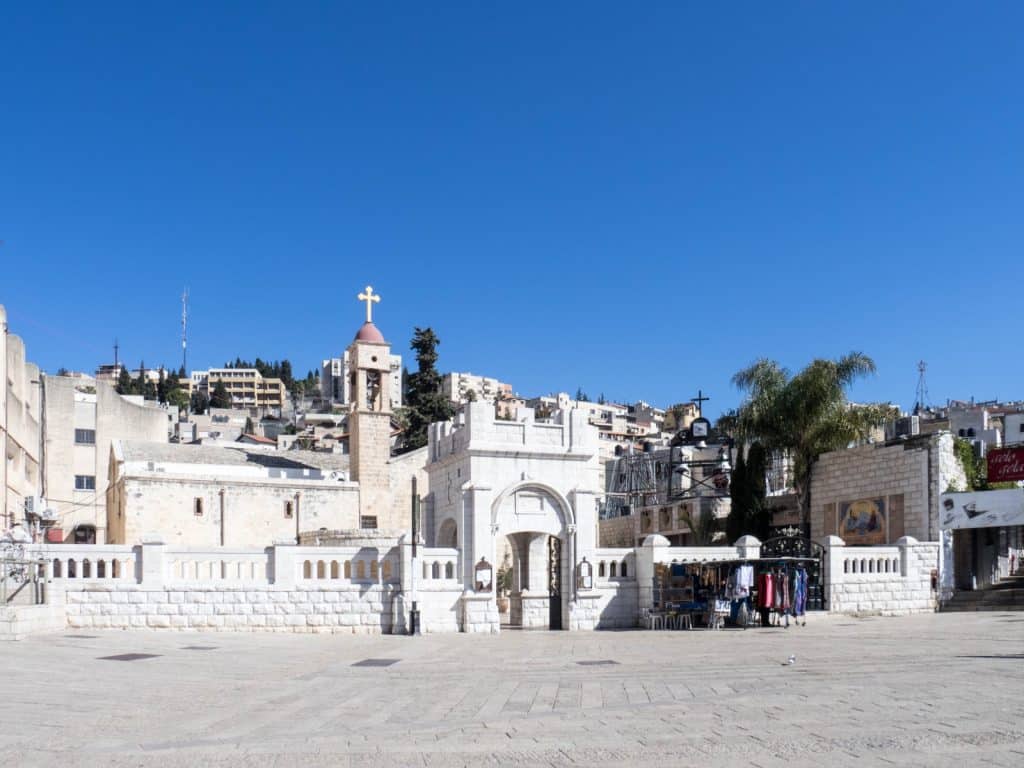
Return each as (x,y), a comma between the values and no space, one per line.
(1005,464)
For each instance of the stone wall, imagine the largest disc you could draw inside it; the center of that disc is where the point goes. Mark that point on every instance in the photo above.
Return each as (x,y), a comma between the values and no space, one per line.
(617,531)
(909,474)
(888,581)
(354,610)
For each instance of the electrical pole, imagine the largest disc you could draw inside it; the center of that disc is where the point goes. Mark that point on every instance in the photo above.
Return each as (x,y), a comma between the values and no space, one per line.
(184,331)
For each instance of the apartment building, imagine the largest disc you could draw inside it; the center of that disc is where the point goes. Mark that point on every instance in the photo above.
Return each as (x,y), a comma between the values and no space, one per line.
(20,429)
(247,387)
(458,386)
(82,417)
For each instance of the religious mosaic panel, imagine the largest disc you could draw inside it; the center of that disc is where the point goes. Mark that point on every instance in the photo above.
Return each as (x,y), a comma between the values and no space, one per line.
(863,521)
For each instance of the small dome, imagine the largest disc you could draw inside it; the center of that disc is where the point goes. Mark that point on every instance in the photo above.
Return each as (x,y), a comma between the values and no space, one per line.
(369,332)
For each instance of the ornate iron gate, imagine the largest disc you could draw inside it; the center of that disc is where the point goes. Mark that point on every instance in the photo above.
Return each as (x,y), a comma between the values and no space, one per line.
(554,582)
(801,546)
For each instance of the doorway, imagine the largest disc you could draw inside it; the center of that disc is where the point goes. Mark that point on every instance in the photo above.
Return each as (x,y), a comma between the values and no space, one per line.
(530,579)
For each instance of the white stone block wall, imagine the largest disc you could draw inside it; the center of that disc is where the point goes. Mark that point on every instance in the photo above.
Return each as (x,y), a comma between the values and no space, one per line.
(888,581)
(253,609)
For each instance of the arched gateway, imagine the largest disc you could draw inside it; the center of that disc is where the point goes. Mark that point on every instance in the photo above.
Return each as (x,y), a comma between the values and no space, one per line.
(518,499)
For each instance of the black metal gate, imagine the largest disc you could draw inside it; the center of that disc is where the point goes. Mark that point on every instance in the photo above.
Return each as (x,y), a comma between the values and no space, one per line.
(801,546)
(554,583)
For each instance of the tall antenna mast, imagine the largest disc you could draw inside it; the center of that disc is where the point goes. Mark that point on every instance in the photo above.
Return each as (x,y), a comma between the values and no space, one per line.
(116,348)
(921,399)
(184,331)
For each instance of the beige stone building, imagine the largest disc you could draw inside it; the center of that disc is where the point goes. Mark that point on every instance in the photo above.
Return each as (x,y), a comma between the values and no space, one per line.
(20,429)
(82,417)
(463,387)
(201,496)
(247,387)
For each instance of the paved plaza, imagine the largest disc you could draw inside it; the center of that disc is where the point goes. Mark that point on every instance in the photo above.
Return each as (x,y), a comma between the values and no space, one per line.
(929,690)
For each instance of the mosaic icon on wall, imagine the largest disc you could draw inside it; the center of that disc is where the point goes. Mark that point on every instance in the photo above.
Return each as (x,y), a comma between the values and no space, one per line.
(863,521)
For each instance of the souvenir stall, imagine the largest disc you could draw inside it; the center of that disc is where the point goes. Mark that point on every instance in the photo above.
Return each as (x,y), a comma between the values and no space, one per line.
(741,593)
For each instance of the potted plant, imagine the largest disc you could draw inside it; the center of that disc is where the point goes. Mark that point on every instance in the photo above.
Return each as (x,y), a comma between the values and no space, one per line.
(504,584)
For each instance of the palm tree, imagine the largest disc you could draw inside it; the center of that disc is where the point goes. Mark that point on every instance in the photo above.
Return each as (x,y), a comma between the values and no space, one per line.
(703,525)
(806,414)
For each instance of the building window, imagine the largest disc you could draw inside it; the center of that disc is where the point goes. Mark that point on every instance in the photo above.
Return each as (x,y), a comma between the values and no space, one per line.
(85,482)
(197,507)
(368,521)
(85,437)
(289,509)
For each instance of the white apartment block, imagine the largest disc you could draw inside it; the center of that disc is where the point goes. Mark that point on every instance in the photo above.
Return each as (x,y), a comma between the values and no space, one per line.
(20,430)
(82,418)
(336,380)
(457,387)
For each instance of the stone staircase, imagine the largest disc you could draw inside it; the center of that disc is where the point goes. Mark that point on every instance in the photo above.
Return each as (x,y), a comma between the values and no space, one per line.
(1007,595)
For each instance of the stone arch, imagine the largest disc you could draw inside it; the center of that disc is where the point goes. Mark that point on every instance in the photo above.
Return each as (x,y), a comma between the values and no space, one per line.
(448,533)
(503,520)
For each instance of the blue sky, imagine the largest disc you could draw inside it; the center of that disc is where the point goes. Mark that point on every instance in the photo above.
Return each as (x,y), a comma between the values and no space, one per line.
(636,199)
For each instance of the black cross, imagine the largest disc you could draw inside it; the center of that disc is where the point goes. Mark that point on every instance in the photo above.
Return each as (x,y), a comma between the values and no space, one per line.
(700,400)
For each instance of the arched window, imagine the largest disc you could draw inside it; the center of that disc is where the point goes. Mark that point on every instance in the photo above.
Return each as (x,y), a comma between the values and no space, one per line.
(56,569)
(360,569)
(449,570)
(600,570)
(435,570)
(614,566)
(623,572)
(348,569)
(373,569)
(307,570)
(115,569)
(334,569)
(86,569)
(101,569)
(385,570)
(321,569)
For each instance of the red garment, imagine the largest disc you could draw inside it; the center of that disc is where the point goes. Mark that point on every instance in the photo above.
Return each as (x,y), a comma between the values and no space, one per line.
(781,602)
(764,590)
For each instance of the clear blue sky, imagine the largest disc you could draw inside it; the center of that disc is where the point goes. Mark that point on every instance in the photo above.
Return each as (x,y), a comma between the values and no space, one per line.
(631,198)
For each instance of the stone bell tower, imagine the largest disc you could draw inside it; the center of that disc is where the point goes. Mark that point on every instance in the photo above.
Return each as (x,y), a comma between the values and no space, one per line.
(369,420)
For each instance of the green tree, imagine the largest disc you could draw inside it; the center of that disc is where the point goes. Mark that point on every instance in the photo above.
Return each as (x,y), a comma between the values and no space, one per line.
(200,402)
(220,397)
(749,513)
(178,398)
(424,400)
(807,413)
(124,382)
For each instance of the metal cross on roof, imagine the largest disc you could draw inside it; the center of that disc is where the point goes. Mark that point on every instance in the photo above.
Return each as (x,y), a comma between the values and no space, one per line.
(369,297)
(700,399)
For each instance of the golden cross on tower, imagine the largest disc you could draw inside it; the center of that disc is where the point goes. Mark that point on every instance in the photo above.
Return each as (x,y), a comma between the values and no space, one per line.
(369,297)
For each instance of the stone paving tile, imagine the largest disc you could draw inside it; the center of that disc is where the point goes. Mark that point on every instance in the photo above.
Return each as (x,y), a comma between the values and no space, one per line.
(940,690)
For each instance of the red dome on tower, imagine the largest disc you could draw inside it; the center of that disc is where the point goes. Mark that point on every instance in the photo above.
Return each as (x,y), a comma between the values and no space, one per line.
(369,332)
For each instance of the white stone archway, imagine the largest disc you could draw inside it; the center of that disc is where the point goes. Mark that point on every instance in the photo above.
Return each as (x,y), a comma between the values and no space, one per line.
(530,514)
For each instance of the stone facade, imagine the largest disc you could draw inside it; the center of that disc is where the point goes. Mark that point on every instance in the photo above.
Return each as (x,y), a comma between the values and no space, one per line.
(202,496)
(910,474)
(83,417)
(20,432)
